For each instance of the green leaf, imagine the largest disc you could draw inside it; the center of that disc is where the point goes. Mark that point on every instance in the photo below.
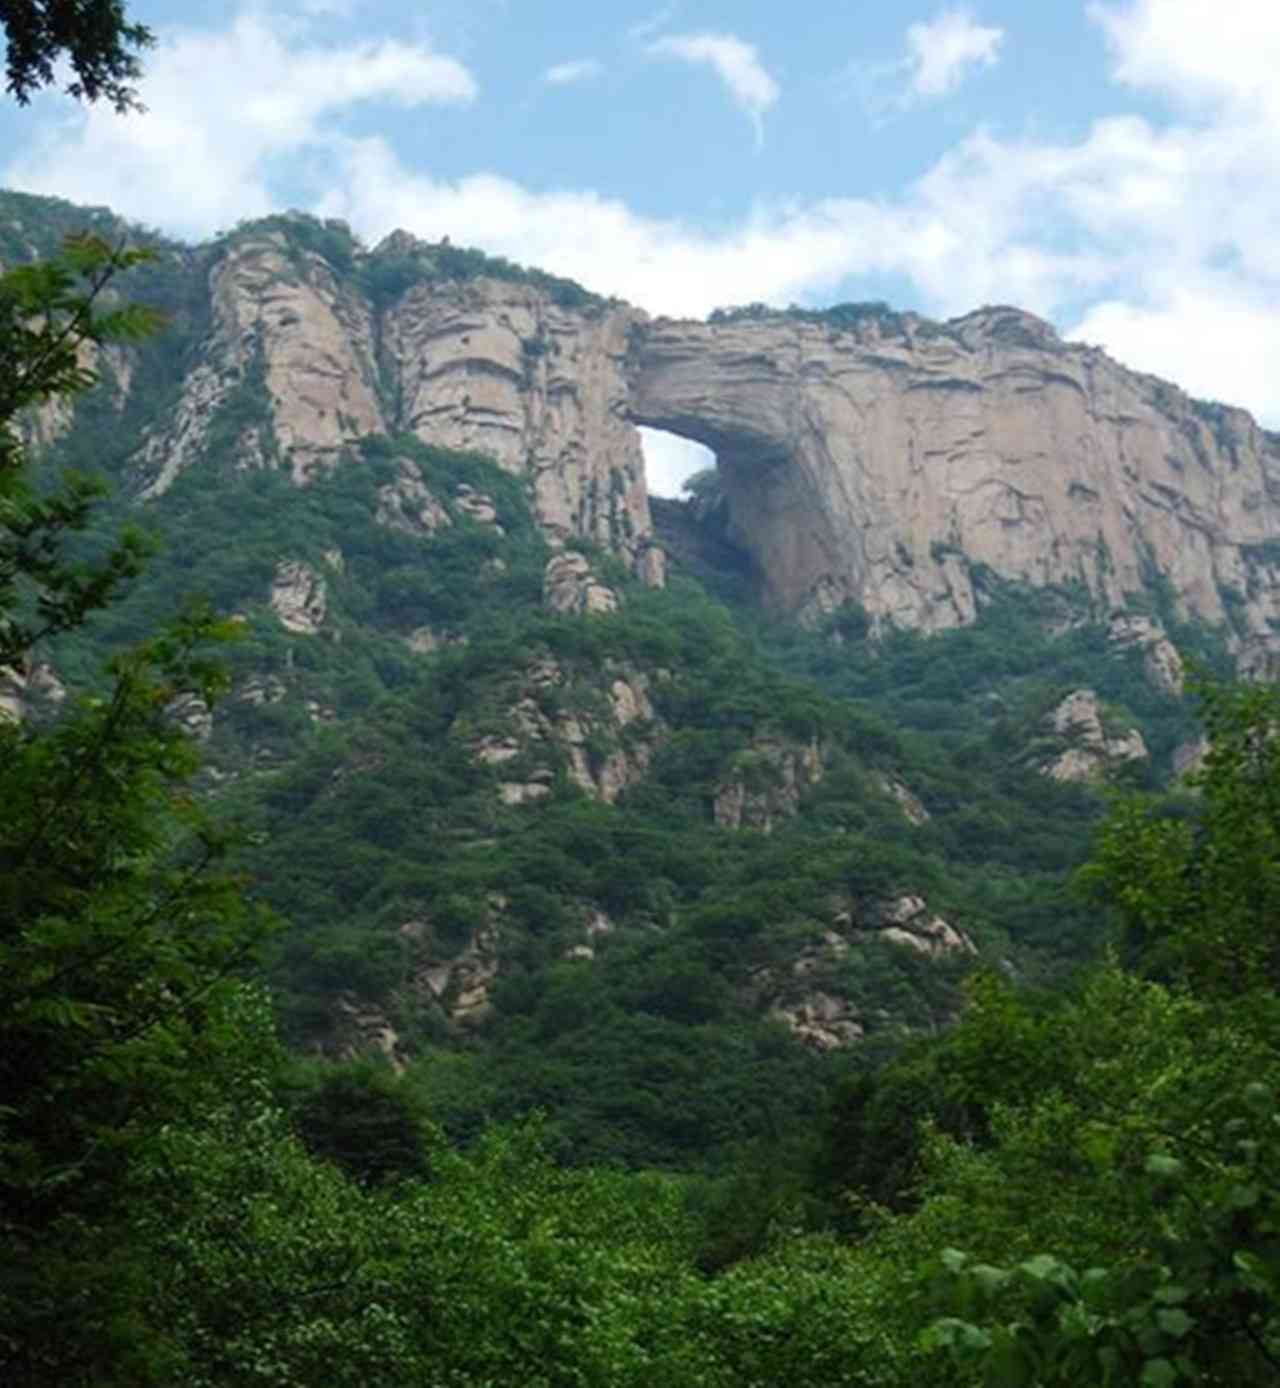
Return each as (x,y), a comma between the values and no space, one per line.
(1158,1373)
(1174,1322)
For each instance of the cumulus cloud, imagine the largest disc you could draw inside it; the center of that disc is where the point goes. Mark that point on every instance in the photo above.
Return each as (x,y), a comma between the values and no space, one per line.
(1194,52)
(736,63)
(578,70)
(942,52)
(221,107)
(1158,239)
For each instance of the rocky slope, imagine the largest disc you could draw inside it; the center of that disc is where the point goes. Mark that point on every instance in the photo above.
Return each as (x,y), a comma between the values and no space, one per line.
(905,465)
(580,840)
(311,359)
(865,456)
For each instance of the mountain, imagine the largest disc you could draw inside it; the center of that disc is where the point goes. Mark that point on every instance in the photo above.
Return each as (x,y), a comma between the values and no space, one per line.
(653,814)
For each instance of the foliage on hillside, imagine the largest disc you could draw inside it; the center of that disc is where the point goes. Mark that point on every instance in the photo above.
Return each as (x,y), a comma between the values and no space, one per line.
(1056,1185)
(394,266)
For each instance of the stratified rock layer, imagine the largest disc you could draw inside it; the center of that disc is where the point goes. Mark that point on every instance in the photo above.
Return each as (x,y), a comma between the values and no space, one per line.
(311,363)
(903,464)
(878,458)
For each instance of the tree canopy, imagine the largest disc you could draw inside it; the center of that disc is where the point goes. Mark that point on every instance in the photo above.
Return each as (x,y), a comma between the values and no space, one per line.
(94,36)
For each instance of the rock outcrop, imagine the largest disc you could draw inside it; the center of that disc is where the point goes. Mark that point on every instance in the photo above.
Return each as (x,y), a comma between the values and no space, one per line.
(569,586)
(864,456)
(302,361)
(408,505)
(907,920)
(605,740)
(299,597)
(1160,659)
(807,997)
(1093,749)
(21,693)
(906,465)
(458,982)
(766,783)
(906,799)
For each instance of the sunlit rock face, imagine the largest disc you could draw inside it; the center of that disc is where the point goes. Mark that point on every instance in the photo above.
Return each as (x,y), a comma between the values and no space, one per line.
(301,362)
(900,463)
(1091,749)
(873,457)
(500,369)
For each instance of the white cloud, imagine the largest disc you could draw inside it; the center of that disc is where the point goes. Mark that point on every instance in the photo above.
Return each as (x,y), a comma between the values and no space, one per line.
(1159,240)
(1197,52)
(579,70)
(737,64)
(221,106)
(941,53)
(1208,339)
(659,19)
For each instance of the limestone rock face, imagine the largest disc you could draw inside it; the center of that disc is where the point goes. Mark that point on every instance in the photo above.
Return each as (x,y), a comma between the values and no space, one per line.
(461,984)
(605,742)
(1161,661)
(906,799)
(501,369)
(1189,757)
(312,363)
(299,597)
(286,327)
(363,1028)
(896,462)
(907,920)
(568,585)
(1093,752)
(821,1020)
(766,784)
(807,997)
(23,691)
(409,506)
(192,715)
(872,457)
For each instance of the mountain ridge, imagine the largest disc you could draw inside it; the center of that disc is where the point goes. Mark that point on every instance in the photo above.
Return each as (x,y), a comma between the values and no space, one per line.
(866,457)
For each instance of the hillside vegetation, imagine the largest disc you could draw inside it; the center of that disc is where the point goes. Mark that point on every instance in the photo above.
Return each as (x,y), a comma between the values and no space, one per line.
(460,963)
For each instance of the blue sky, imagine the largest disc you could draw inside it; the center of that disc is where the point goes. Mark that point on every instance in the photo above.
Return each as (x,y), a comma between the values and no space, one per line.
(1110,165)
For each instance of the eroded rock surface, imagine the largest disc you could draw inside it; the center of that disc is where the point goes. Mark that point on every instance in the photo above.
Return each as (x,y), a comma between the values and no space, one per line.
(766,783)
(896,463)
(287,334)
(807,996)
(605,740)
(299,597)
(311,363)
(1161,661)
(907,920)
(408,505)
(569,586)
(906,799)
(874,457)
(1094,750)
(23,691)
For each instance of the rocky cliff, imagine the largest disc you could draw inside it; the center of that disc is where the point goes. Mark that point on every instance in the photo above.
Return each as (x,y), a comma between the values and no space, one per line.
(304,357)
(865,456)
(905,465)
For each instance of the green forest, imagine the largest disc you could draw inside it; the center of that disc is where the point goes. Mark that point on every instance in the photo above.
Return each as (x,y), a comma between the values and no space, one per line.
(1044,1161)
(412,978)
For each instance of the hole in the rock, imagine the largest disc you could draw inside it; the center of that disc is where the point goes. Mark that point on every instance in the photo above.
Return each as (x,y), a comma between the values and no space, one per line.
(670,459)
